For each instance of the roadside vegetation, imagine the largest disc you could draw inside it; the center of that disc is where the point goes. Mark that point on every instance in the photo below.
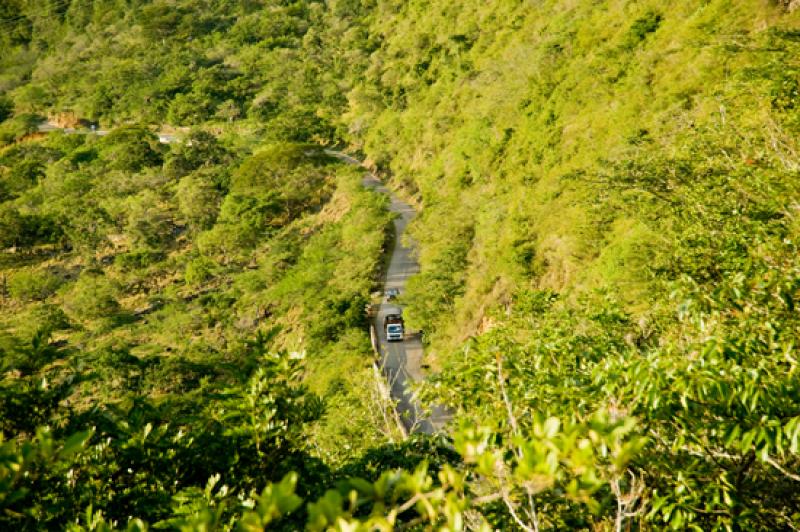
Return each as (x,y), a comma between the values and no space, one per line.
(608,228)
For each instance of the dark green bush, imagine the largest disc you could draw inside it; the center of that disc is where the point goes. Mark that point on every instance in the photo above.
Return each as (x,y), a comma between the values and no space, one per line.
(92,297)
(25,230)
(6,108)
(138,259)
(33,285)
(131,148)
(199,270)
(18,127)
(642,27)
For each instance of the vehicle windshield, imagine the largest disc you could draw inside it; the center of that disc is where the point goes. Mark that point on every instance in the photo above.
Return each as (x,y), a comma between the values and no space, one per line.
(393,328)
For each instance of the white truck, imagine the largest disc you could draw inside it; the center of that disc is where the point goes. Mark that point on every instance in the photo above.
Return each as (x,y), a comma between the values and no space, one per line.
(393,327)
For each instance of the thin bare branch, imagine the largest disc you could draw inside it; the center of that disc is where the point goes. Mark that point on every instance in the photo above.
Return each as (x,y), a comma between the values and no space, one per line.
(512,421)
(780,468)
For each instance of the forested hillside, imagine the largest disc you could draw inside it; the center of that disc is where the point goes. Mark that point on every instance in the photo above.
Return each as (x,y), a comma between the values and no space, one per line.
(185,315)
(608,222)
(609,205)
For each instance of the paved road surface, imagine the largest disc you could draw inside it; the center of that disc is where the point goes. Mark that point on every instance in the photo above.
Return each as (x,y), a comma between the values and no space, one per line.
(401,361)
(164,138)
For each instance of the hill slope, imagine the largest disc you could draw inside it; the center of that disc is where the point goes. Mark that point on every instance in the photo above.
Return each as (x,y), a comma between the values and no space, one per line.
(609,197)
(608,230)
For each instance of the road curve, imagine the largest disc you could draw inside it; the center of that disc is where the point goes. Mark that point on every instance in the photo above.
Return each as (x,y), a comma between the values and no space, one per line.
(401,362)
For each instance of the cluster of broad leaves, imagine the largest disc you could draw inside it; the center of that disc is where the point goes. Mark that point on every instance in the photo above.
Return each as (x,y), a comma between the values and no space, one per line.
(139,464)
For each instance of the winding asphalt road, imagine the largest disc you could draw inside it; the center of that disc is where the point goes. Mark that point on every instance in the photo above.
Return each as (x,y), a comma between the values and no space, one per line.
(401,361)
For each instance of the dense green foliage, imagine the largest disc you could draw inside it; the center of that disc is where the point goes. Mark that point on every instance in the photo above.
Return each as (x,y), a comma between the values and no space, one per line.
(162,313)
(158,62)
(158,300)
(609,282)
(609,204)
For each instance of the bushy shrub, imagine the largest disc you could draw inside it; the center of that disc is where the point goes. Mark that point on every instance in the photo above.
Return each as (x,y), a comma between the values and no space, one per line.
(6,108)
(32,285)
(13,227)
(149,222)
(138,259)
(49,317)
(39,318)
(22,230)
(198,201)
(199,271)
(191,108)
(200,149)
(642,27)
(17,127)
(92,297)
(131,149)
(270,167)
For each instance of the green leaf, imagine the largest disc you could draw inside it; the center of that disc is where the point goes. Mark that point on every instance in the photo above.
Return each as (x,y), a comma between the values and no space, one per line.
(75,443)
